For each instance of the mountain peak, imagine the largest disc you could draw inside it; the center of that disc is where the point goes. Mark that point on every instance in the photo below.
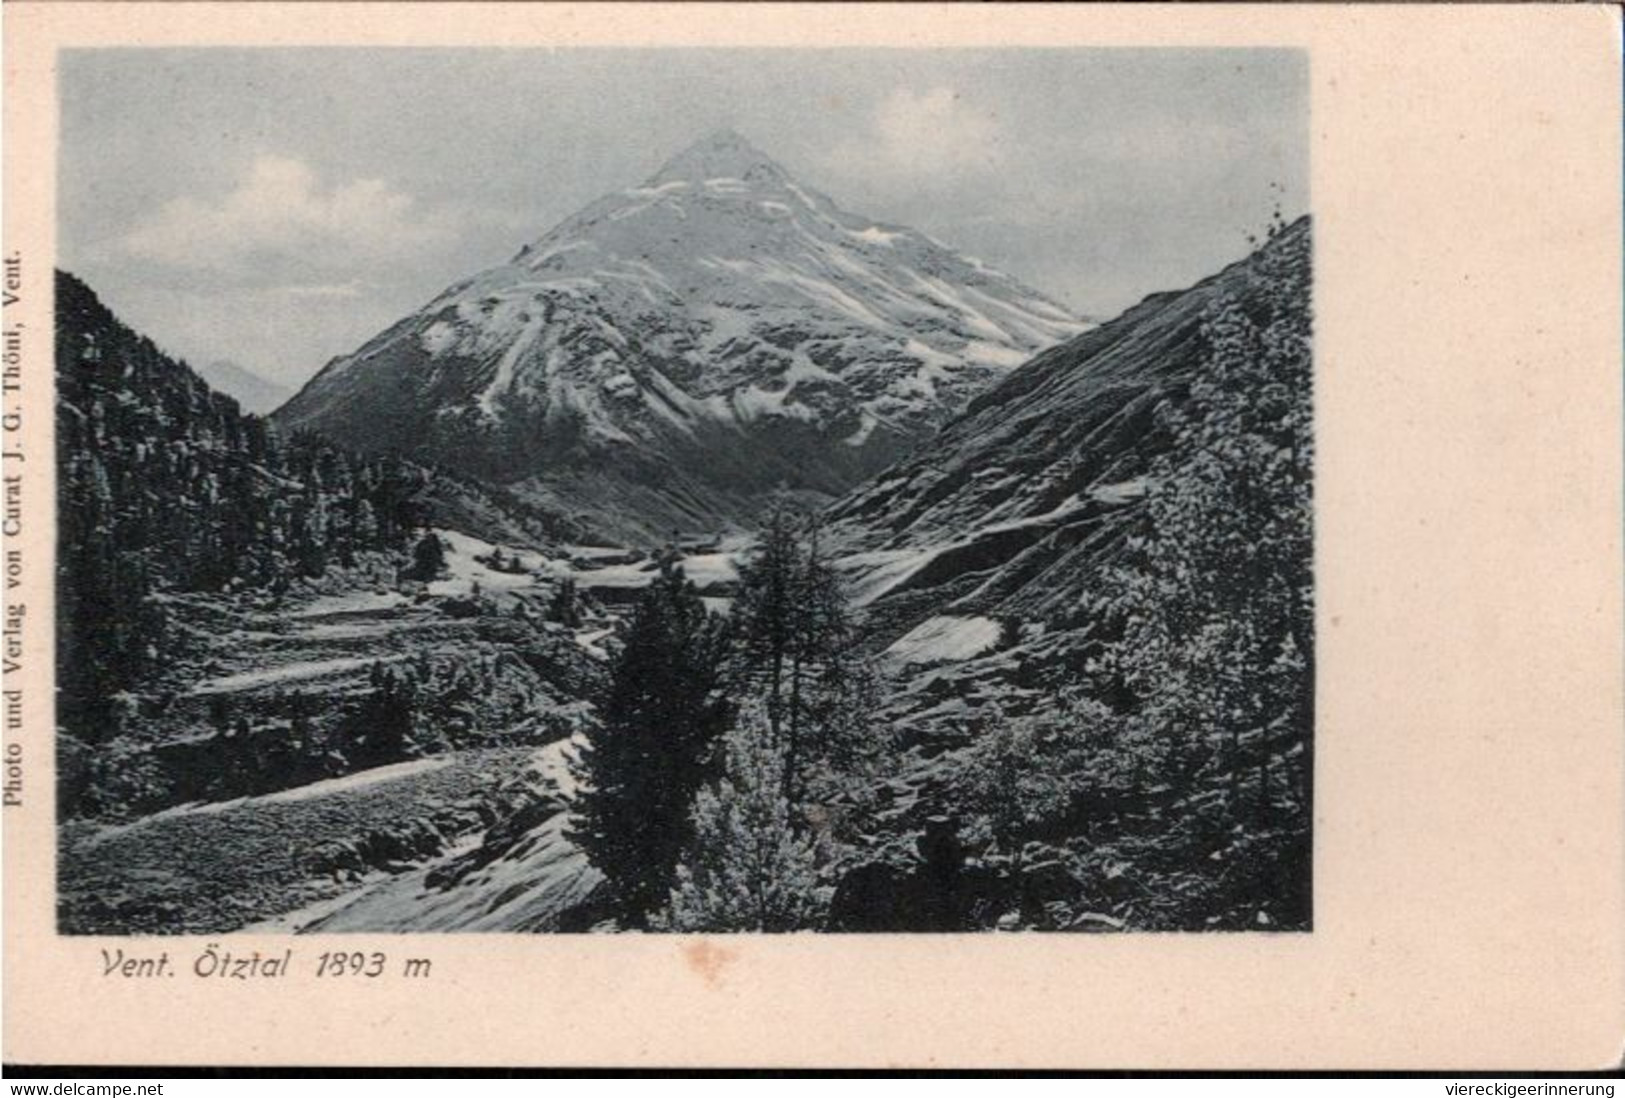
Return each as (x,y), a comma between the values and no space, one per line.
(721,324)
(720,154)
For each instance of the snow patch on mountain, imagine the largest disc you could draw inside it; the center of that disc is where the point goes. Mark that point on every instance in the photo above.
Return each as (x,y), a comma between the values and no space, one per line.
(945,639)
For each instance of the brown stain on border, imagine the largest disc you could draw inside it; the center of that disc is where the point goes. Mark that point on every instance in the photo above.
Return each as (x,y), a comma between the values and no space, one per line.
(708,960)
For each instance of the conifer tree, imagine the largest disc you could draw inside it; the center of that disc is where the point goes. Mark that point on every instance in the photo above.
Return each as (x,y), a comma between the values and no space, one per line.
(389,714)
(429,557)
(639,772)
(565,605)
(765,613)
(747,866)
(795,650)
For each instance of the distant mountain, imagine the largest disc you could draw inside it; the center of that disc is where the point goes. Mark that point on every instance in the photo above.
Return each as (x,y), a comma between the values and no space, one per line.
(253,393)
(673,352)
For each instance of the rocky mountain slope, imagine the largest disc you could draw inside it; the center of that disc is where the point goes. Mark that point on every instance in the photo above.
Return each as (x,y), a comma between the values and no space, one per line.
(994,533)
(674,351)
(1092,596)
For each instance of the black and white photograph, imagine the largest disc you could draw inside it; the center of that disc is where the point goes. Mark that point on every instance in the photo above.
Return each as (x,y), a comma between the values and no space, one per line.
(684,491)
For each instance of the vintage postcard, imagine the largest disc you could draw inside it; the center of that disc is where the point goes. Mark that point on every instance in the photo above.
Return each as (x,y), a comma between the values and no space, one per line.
(670,535)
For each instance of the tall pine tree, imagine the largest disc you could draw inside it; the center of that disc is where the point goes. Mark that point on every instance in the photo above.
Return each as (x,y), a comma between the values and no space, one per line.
(795,650)
(639,772)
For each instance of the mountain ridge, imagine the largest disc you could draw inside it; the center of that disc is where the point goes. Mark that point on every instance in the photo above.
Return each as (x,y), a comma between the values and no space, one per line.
(1015,503)
(677,351)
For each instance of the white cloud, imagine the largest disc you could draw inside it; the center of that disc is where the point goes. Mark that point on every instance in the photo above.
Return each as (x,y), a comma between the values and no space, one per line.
(925,135)
(281,221)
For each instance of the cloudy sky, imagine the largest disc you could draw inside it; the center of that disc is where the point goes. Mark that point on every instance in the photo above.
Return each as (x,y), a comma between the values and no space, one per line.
(279,207)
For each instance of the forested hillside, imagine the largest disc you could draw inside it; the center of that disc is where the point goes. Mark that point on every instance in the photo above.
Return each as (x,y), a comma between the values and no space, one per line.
(165,485)
(177,511)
